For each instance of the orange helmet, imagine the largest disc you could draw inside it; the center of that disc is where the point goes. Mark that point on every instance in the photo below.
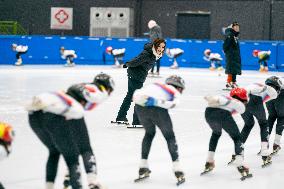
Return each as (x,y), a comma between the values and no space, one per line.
(108,50)
(6,132)
(255,53)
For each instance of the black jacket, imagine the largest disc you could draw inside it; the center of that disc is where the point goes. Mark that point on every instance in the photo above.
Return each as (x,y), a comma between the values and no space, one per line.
(232,52)
(155,33)
(139,66)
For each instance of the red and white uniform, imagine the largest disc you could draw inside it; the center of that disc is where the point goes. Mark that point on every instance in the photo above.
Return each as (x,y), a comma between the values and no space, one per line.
(226,103)
(264,91)
(166,96)
(21,48)
(63,104)
(66,53)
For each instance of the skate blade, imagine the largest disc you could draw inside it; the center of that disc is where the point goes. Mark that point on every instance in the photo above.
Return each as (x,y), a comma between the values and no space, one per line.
(119,122)
(266,164)
(274,153)
(231,162)
(135,127)
(180,181)
(205,172)
(141,178)
(245,177)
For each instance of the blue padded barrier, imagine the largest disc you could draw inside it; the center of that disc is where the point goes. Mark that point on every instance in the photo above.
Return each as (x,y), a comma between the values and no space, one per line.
(91,50)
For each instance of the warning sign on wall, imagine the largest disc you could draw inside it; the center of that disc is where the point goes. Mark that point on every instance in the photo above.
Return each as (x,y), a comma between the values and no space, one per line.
(61,18)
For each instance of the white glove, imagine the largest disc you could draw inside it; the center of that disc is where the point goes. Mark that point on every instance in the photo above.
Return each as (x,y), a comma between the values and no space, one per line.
(213,101)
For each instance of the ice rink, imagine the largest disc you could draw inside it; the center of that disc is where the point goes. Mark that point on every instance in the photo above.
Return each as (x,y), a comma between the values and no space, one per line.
(117,148)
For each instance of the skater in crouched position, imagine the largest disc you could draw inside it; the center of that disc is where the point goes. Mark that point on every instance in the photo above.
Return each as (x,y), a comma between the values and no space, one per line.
(218,115)
(69,55)
(257,95)
(20,50)
(152,104)
(137,70)
(58,120)
(275,110)
(6,138)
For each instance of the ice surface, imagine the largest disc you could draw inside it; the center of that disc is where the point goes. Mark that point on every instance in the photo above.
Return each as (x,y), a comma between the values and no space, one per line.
(117,149)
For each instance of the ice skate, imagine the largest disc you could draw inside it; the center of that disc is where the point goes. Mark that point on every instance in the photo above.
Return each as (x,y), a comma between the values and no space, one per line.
(174,66)
(266,161)
(220,68)
(66,182)
(209,166)
(244,172)
(180,177)
(122,121)
(276,149)
(143,174)
(19,62)
(211,68)
(134,126)
(229,86)
(232,160)
(96,186)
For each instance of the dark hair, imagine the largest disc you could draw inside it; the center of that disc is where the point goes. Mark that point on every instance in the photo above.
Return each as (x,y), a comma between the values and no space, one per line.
(157,42)
(235,24)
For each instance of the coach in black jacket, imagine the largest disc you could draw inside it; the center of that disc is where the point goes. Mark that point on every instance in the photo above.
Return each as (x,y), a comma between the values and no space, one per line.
(137,70)
(232,52)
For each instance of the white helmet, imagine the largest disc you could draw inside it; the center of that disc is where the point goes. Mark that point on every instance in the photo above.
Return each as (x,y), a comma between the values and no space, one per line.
(207,52)
(151,24)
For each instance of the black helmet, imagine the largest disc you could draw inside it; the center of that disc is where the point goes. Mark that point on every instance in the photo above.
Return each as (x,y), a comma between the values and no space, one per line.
(105,80)
(176,81)
(274,82)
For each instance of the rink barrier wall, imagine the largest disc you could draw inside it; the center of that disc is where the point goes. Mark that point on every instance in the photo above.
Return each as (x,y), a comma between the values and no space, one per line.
(91,50)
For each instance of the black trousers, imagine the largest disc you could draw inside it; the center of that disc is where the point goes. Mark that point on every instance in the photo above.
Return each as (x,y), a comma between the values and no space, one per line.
(82,140)
(18,55)
(132,86)
(255,108)
(150,117)
(70,58)
(219,119)
(275,110)
(158,63)
(55,133)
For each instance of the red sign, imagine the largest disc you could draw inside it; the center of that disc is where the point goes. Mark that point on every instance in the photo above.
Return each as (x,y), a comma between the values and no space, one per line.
(61,16)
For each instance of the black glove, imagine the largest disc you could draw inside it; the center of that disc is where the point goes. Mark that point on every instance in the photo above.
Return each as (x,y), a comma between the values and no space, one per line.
(124,66)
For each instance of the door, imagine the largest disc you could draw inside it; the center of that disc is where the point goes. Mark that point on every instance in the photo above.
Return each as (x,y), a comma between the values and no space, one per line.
(193,25)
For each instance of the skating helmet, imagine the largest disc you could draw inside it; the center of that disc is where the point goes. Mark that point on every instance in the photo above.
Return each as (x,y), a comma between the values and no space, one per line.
(108,50)
(105,80)
(207,52)
(255,53)
(274,82)
(239,94)
(176,81)
(151,24)
(6,133)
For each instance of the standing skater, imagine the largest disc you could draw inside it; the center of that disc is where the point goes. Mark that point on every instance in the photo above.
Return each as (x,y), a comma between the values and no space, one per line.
(69,55)
(152,104)
(263,57)
(232,52)
(58,120)
(218,115)
(20,50)
(137,70)
(118,55)
(6,139)
(155,33)
(258,94)
(275,110)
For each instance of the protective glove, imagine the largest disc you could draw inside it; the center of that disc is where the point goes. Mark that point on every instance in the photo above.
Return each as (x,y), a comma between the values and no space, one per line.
(150,101)
(124,66)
